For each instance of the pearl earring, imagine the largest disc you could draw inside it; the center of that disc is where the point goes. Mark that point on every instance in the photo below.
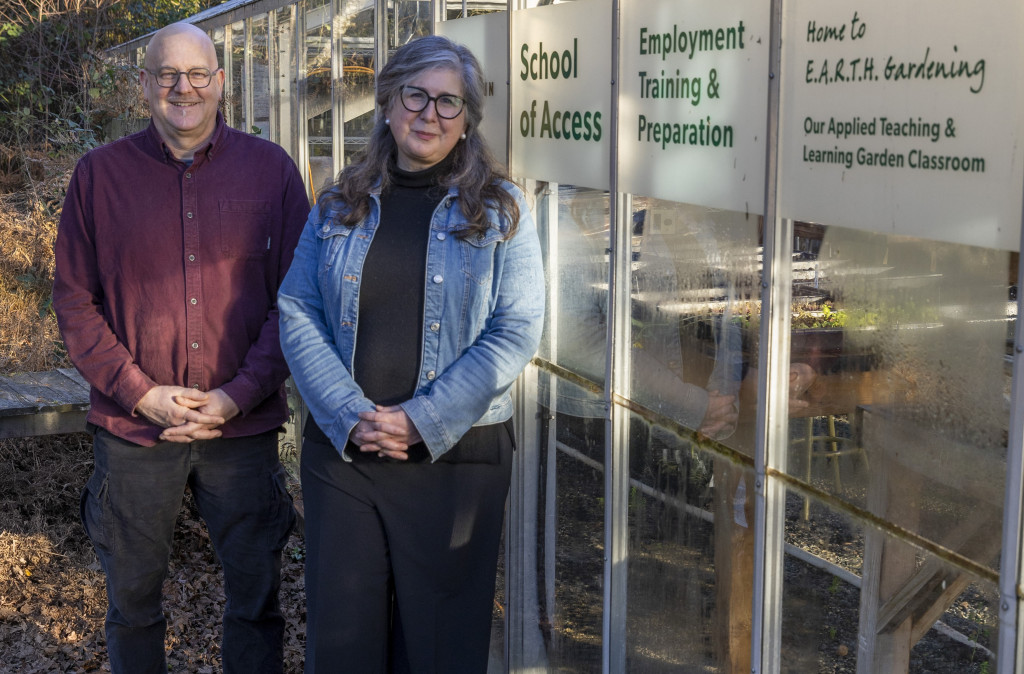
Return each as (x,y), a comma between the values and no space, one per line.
(387,120)
(463,136)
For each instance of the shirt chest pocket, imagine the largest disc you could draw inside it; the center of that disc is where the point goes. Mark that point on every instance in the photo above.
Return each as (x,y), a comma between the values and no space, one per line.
(244,228)
(477,253)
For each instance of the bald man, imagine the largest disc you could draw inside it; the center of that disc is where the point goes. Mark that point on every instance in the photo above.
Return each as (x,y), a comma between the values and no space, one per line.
(170,250)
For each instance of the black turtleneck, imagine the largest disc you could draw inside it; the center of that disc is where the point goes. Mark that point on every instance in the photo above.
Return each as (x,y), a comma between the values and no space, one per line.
(387,354)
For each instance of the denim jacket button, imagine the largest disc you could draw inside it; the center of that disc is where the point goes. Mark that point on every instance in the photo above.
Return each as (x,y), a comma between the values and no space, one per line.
(435,326)
(325,229)
(431,375)
(438,278)
(441,236)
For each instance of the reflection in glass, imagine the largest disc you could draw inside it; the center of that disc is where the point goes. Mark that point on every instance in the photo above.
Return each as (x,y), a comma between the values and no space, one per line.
(217,35)
(317,92)
(282,55)
(690,557)
(580,280)
(234,97)
(260,124)
(907,400)
(565,585)
(356,26)
(408,19)
(568,583)
(856,599)
(695,274)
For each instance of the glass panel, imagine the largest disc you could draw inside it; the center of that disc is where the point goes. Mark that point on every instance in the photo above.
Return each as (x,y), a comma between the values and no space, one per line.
(318,93)
(564,585)
(358,75)
(579,265)
(694,290)
(283,84)
(911,612)
(899,357)
(260,124)
(217,35)
(454,8)
(570,542)
(691,547)
(235,96)
(408,19)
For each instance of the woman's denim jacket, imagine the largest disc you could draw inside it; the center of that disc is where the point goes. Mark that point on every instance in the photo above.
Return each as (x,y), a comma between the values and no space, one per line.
(482,320)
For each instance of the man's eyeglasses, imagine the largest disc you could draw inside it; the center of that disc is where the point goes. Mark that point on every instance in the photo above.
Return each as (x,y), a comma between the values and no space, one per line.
(447,106)
(167,78)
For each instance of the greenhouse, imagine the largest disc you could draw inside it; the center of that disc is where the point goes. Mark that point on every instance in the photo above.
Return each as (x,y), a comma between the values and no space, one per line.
(809,211)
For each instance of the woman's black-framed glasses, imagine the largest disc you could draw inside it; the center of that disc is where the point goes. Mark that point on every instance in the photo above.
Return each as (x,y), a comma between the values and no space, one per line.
(167,78)
(447,106)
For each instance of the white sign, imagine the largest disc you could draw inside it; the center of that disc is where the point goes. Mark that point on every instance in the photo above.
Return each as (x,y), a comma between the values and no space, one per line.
(904,118)
(561,93)
(486,35)
(693,101)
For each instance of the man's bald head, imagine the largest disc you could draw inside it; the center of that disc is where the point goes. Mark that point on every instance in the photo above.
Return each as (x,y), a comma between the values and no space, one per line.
(180,30)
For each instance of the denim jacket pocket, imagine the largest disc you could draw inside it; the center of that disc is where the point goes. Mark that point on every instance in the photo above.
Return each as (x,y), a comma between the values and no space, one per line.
(330,239)
(477,251)
(244,228)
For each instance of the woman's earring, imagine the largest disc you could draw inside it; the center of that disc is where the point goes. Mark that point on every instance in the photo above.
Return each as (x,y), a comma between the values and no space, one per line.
(463,136)
(387,120)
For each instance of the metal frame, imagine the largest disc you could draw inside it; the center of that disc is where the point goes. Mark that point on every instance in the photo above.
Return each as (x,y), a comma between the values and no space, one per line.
(772,416)
(248,90)
(617,374)
(1010,647)
(337,86)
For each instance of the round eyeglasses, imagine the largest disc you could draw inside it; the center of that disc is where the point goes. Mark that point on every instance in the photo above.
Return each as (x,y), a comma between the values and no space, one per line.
(167,78)
(448,106)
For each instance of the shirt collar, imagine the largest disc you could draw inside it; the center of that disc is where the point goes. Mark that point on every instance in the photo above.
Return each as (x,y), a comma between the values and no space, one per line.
(161,151)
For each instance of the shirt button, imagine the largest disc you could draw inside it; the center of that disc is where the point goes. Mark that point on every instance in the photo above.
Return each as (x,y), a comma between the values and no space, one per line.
(189,175)
(435,326)
(438,278)
(195,386)
(191,258)
(431,375)
(194,301)
(189,215)
(441,236)
(195,345)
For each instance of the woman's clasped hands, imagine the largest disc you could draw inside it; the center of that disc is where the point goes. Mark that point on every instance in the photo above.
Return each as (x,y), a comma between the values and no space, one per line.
(388,431)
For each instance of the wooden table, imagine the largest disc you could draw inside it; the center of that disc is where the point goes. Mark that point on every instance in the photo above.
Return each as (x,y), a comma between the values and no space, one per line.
(905,591)
(43,403)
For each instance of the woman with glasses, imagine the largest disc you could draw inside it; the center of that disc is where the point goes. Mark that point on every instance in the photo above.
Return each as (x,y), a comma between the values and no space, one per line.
(415,299)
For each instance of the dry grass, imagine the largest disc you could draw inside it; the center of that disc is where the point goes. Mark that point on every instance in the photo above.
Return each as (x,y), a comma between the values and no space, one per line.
(29,339)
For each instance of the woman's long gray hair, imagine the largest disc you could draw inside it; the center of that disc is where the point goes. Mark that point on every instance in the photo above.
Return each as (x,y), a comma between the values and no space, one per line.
(473,170)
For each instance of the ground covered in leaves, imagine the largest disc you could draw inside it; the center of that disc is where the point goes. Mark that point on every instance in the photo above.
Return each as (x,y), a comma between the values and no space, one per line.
(52,596)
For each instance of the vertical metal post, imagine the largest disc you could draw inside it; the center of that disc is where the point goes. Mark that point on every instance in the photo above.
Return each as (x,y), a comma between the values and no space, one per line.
(229,77)
(381,40)
(617,380)
(773,367)
(337,89)
(1010,647)
(248,83)
(274,79)
(301,123)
